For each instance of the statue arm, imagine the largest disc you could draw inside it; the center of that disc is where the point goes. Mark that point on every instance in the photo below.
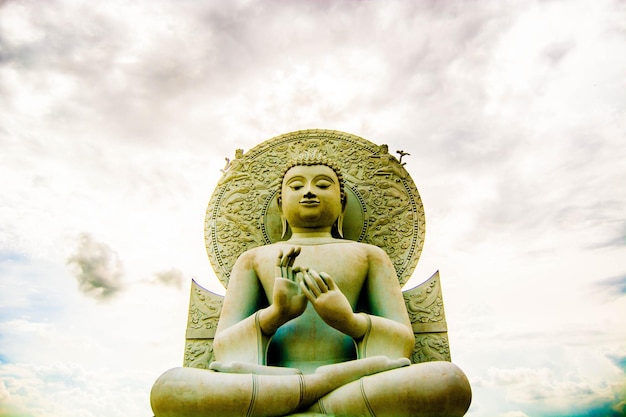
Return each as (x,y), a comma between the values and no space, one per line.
(390,331)
(247,321)
(239,337)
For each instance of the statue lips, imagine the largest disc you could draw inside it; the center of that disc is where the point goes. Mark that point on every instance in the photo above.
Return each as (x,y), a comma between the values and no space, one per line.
(311,203)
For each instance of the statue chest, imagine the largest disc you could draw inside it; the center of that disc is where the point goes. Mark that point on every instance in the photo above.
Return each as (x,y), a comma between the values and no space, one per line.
(346,264)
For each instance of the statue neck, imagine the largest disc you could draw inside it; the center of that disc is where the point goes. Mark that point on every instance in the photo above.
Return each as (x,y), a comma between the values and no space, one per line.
(307,236)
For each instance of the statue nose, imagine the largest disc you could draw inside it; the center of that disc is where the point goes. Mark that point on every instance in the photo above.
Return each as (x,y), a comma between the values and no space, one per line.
(309,194)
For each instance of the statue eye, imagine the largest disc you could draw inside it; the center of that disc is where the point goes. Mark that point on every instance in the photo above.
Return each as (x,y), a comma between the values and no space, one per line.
(295,185)
(323,184)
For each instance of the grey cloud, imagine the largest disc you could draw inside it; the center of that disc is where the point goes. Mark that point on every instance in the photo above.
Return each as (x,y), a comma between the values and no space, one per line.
(619,360)
(432,75)
(613,287)
(97,268)
(558,50)
(115,76)
(172,277)
(121,79)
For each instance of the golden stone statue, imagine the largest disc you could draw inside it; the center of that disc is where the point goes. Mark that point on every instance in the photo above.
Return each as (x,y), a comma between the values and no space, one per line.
(314,323)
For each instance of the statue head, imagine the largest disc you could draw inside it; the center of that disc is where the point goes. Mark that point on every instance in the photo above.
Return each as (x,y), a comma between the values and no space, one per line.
(312,193)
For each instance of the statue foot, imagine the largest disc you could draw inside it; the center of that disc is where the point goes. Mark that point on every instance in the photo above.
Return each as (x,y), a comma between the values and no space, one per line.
(250,368)
(365,366)
(330,377)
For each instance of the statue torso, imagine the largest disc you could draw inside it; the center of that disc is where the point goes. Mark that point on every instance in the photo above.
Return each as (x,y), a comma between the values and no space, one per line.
(307,342)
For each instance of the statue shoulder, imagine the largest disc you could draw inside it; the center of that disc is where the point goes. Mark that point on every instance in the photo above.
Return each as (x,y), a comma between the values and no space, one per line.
(373,250)
(248,259)
(260,253)
(376,256)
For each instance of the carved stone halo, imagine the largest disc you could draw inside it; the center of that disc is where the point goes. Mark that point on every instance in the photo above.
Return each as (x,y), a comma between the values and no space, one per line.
(383,207)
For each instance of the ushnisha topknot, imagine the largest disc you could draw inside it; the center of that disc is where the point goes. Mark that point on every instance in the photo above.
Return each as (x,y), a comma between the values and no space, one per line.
(314,157)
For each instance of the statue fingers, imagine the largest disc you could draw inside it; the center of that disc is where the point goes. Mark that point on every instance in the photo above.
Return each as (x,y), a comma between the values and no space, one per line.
(284,260)
(279,260)
(294,251)
(307,292)
(282,263)
(292,257)
(295,271)
(289,258)
(319,281)
(329,281)
(310,284)
(279,271)
(294,254)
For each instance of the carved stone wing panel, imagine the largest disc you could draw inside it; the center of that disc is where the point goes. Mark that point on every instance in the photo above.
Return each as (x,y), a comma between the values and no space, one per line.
(205,308)
(424,304)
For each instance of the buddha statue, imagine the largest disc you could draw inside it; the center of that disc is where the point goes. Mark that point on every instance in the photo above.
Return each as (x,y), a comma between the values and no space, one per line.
(313,325)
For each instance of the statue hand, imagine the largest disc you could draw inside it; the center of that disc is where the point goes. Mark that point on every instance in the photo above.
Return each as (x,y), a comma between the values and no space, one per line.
(284,264)
(287,298)
(288,301)
(331,304)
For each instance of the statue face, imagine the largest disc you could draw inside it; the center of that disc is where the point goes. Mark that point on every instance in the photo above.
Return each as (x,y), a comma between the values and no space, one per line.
(311,196)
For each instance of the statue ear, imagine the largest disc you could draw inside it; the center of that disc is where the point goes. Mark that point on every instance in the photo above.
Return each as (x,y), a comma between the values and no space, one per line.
(283,219)
(285,225)
(340,223)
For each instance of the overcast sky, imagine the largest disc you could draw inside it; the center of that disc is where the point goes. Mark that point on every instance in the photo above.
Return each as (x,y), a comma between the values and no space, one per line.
(116,117)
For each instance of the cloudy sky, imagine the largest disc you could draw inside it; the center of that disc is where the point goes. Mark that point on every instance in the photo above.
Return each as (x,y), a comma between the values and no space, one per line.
(116,117)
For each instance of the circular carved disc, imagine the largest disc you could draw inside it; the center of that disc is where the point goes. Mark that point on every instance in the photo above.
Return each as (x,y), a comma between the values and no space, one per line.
(383,209)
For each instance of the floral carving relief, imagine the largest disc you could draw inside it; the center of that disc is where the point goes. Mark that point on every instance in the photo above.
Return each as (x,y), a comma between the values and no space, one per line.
(204,309)
(198,353)
(381,189)
(425,302)
(431,347)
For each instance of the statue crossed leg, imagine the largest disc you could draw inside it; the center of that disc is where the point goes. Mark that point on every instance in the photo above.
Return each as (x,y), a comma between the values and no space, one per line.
(391,389)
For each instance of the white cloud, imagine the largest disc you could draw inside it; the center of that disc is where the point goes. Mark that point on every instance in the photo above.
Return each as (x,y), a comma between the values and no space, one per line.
(514,414)
(542,389)
(64,389)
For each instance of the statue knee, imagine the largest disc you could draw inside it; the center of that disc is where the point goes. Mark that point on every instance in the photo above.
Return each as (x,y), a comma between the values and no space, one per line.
(163,390)
(439,389)
(428,389)
(191,392)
